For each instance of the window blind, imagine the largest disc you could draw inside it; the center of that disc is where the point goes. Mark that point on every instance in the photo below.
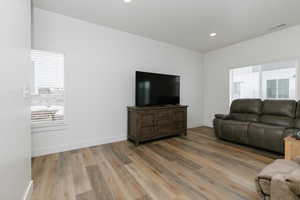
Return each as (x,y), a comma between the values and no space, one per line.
(48,69)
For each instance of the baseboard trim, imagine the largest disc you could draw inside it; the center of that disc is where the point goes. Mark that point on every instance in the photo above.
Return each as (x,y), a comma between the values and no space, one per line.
(83,144)
(194,125)
(61,148)
(28,192)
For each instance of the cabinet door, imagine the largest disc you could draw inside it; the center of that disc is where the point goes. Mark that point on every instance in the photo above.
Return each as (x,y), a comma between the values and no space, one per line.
(179,115)
(179,120)
(146,125)
(147,132)
(164,122)
(147,119)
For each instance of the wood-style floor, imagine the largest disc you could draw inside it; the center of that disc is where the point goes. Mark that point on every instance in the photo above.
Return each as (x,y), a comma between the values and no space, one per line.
(198,166)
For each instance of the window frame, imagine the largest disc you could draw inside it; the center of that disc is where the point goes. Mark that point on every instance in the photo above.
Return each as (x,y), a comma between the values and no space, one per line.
(297,79)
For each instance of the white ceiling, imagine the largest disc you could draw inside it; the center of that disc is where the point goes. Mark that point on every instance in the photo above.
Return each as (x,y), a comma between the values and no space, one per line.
(186,23)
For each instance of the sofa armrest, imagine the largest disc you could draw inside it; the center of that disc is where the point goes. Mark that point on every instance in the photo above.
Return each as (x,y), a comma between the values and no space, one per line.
(222,116)
(289,132)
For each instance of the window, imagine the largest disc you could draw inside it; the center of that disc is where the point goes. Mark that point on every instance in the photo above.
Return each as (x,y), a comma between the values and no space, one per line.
(47,105)
(283,88)
(237,89)
(271,88)
(278,88)
(266,81)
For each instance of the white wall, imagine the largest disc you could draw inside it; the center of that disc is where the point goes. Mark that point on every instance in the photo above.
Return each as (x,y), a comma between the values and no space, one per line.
(281,45)
(100,66)
(15,162)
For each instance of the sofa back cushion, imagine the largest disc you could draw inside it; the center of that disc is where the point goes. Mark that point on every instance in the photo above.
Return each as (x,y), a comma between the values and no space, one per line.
(279,112)
(285,108)
(246,109)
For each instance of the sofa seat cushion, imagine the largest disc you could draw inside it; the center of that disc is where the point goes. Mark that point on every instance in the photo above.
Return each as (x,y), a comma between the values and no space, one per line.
(277,120)
(263,180)
(244,117)
(235,131)
(266,136)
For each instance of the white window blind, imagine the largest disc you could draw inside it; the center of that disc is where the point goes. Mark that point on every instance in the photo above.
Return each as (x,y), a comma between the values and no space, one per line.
(48,69)
(47,106)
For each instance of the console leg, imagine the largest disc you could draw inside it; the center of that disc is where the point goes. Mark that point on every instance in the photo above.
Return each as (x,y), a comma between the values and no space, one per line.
(185,133)
(136,143)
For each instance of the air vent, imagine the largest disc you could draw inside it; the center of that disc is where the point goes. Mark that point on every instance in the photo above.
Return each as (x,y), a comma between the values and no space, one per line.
(277,27)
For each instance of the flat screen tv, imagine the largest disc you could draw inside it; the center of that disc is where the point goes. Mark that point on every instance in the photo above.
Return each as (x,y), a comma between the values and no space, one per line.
(153,89)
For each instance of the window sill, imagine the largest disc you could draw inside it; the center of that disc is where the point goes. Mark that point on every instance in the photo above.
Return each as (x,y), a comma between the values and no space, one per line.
(48,127)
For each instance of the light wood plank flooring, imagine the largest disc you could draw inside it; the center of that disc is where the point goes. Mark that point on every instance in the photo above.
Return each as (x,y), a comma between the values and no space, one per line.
(198,166)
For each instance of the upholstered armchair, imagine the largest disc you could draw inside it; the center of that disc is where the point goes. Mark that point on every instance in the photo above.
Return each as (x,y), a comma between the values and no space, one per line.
(280,180)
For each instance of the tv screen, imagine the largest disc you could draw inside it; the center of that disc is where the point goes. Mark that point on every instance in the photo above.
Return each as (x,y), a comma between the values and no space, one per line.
(156,89)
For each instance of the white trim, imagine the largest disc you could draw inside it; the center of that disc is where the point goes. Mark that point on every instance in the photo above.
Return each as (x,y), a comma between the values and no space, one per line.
(230,85)
(48,128)
(267,62)
(28,192)
(67,147)
(297,78)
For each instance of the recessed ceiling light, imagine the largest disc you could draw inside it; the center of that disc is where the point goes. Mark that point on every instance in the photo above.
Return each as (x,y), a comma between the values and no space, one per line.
(127,1)
(212,34)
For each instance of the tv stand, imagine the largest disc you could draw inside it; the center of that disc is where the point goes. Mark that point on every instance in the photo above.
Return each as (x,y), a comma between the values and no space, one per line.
(148,123)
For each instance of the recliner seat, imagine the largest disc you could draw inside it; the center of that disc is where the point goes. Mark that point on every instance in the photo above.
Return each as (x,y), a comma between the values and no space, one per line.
(261,124)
